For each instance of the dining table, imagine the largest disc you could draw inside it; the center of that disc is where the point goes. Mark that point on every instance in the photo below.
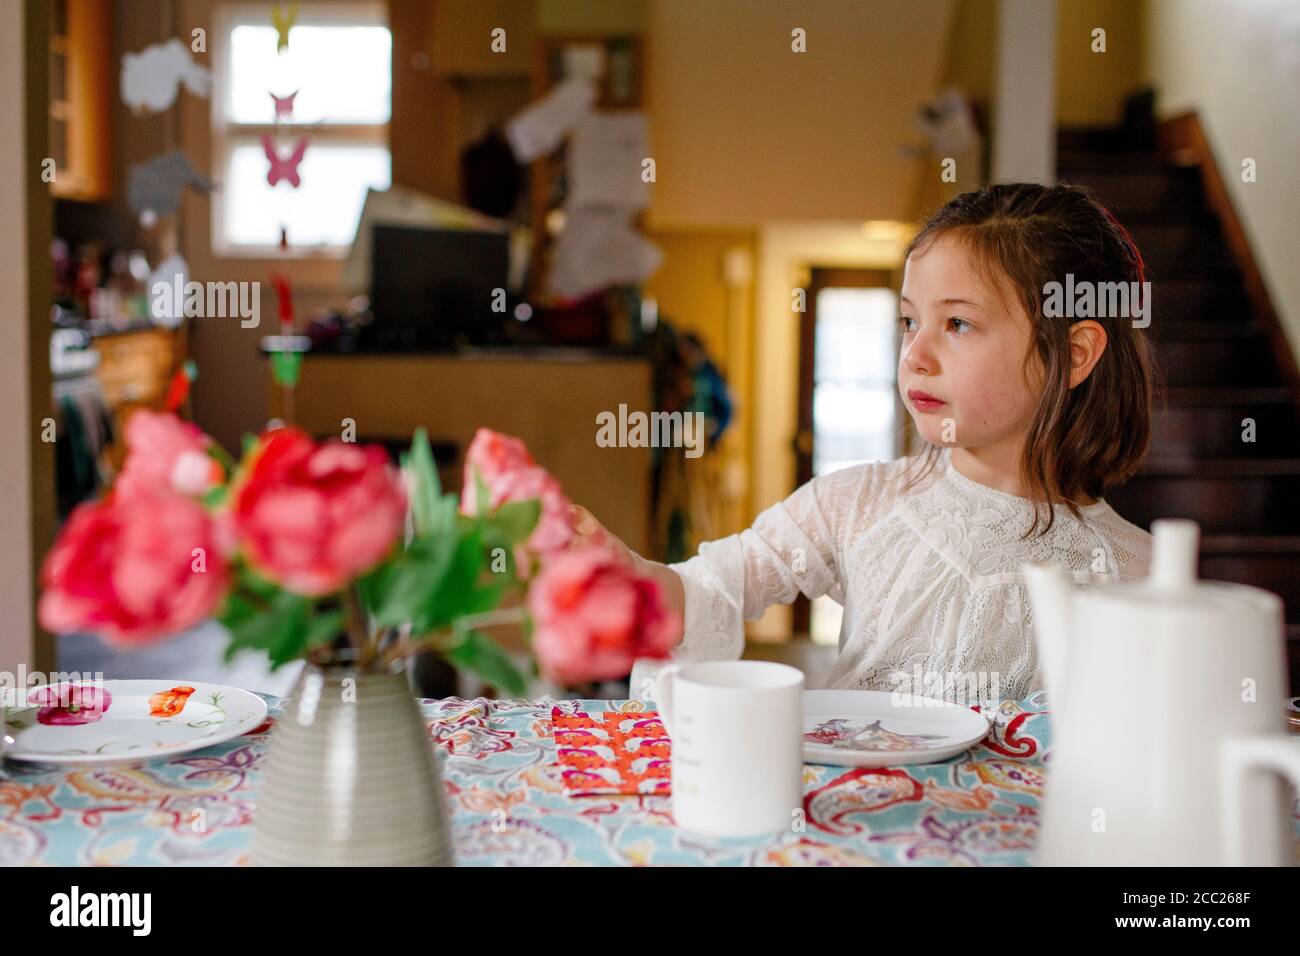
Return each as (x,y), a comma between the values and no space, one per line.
(508,804)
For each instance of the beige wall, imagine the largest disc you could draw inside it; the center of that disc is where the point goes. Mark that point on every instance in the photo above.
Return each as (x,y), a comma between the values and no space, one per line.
(744,129)
(1238,66)
(1090,87)
(27,466)
(697,293)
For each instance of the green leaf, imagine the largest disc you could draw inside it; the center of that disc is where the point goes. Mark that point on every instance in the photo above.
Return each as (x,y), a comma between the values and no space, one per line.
(324,626)
(432,583)
(517,519)
(455,593)
(259,585)
(215,496)
(427,489)
(482,498)
(279,628)
(480,654)
(372,587)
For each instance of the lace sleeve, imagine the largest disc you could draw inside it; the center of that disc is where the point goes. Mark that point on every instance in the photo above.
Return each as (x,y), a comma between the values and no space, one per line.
(792,547)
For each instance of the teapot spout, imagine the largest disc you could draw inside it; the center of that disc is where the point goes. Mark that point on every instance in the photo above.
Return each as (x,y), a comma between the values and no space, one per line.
(1051,592)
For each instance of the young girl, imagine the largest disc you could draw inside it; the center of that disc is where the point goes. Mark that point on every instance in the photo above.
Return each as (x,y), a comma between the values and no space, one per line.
(1027,418)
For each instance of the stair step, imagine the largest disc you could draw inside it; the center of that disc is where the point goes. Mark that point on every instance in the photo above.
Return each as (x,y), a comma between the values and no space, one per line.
(1195,298)
(1268,563)
(1168,189)
(1201,397)
(1218,269)
(1223,467)
(1215,431)
(1234,362)
(1243,496)
(1102,140)
(1228,327)
(1184,237)
(1081,160)
(1250,543)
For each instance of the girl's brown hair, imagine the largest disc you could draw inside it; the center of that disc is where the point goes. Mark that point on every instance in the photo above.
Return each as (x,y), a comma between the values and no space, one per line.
(1084,440)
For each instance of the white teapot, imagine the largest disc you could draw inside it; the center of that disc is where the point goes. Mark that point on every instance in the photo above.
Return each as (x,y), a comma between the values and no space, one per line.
(1169,743)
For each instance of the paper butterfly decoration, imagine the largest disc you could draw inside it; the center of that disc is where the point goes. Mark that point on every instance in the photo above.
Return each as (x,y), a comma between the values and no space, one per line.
(284,105)
(153,188)
(284,168)
(150,79)
(283,22)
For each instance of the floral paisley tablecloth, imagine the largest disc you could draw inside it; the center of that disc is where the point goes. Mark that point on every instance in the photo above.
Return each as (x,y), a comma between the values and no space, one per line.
(509,807)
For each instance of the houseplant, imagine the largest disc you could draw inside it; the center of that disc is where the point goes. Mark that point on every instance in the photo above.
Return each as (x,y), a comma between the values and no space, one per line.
(326,552)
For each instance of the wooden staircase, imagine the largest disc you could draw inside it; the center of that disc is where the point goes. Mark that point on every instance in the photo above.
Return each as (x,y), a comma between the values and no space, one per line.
(1221,358)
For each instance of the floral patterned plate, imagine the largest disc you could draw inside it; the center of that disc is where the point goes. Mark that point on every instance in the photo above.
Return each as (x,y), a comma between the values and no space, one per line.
(876,728)
(99,723)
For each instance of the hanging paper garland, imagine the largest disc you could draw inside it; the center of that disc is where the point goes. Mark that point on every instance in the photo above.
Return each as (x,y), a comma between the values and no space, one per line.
(283,105)
(284,167)
(283,21)
(179,388)
(286,362)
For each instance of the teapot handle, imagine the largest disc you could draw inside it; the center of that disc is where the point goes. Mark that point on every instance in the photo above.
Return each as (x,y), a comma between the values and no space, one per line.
(1246,762)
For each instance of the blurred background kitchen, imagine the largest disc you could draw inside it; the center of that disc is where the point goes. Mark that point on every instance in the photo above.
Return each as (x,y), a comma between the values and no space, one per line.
(522,213)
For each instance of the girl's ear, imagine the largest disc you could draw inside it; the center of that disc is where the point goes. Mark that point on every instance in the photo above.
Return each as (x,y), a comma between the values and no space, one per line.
(1087,342)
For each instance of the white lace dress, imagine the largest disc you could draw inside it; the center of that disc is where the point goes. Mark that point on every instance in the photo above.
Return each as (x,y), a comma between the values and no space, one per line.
(929,578)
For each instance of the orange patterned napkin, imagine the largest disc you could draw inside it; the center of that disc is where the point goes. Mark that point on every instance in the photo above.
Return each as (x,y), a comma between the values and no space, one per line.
(612,753)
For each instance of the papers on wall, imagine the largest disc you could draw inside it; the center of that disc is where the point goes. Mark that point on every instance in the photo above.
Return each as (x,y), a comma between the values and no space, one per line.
(541,126)
(151,78)
(153,188)
(604,161)
(599,248)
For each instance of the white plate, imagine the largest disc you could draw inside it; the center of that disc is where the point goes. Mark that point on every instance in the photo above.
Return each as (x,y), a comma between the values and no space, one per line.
(876,728)
(144,720)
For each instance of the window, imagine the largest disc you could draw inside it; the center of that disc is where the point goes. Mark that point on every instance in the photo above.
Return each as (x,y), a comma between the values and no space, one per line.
(338,62)
(855,378)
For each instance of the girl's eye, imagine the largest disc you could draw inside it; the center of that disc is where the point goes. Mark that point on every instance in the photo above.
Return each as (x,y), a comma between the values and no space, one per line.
(960,326)
(905,322)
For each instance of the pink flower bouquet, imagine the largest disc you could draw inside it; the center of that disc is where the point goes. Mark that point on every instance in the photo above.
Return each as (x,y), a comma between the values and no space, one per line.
(303,544)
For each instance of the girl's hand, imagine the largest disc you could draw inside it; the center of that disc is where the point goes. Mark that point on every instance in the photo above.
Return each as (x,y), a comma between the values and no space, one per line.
(587,530)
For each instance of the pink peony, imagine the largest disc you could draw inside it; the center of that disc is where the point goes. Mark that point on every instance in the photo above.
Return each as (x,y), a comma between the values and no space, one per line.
(133,569)
(593,617)
(510,474)
(164,452)
(314,517)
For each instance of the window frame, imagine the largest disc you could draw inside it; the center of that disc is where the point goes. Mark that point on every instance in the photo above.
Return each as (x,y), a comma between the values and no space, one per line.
(225,136)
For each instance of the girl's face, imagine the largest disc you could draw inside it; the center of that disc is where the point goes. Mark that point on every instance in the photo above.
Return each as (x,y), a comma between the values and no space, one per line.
(962,361)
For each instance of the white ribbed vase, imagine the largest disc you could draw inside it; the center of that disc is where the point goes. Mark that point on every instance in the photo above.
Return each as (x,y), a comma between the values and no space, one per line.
(350,778)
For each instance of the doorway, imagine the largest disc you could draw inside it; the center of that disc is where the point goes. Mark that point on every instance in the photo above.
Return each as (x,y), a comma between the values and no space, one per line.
(849,411)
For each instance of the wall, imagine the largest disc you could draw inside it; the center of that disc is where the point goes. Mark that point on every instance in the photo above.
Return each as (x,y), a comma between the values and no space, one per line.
(1090,87)
(744,129)
(1238,66)
(694,292)
(27,465)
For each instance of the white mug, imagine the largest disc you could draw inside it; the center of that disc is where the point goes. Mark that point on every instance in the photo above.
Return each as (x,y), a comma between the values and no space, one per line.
(737,736)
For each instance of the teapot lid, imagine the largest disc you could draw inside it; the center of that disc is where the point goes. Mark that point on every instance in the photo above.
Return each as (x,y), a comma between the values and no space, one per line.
(1173,579)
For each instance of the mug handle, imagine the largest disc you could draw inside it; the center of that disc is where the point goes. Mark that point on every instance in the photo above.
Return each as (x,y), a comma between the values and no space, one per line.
(664,694)
(1242,758)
